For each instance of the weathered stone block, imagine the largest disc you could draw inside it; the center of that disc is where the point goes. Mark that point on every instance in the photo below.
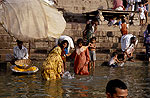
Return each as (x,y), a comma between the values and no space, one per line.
(41,44)
(110,34)
(6,51)
(140,45)
(104,34)
(115,45)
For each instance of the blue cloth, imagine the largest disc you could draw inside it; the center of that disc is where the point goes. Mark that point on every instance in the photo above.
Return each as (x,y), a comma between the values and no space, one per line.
(147,51)
(146,37)
(66,50)
(147,7)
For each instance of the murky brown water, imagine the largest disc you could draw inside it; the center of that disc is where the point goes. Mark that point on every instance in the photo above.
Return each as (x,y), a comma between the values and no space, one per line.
(136,76)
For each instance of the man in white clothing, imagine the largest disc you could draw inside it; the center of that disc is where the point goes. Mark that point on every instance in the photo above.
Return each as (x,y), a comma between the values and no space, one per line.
(125,41)
(128,43)
(20,52)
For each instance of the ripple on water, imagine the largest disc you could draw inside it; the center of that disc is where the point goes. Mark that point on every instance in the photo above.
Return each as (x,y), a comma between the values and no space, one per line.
(137,79)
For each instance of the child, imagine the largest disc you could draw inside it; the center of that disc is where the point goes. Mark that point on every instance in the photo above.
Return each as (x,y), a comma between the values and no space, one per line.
(123,27)
(129,51)
(146,6)
(141,13)
(82,58)
(92,50)
(114,60)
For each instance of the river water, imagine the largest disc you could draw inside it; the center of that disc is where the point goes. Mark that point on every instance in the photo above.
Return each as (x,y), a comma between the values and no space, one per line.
(135,75)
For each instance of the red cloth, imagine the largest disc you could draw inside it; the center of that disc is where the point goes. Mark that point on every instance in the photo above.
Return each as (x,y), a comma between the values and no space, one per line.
(80,63)
(117,3)
(124,30)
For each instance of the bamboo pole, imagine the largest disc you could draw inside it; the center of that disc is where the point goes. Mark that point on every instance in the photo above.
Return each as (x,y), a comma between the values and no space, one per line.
(29,49)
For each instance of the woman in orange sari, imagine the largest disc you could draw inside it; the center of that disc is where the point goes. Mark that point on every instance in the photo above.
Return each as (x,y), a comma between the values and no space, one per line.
(82,58)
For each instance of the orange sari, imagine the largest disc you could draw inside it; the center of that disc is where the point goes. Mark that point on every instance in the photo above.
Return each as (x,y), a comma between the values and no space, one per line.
(82,59)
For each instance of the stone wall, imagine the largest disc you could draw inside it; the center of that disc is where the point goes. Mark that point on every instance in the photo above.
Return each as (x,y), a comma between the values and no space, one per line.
(108,40)
(82,6)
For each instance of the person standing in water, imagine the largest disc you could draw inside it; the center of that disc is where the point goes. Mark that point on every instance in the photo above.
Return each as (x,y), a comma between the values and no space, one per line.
(82,58)
(92,50)
(53,65)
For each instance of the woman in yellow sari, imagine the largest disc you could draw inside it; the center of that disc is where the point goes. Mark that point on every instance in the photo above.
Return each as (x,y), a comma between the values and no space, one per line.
(53,66)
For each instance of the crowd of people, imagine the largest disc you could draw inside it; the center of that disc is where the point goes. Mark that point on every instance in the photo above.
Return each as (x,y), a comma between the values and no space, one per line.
(141,6)
(84,51)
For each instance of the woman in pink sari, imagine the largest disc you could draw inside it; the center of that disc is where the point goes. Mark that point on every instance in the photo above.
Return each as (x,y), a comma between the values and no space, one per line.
(82,58)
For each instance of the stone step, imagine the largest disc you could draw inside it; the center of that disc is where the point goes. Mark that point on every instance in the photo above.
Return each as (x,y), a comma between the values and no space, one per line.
(104,27)
(6,51)
(99,56)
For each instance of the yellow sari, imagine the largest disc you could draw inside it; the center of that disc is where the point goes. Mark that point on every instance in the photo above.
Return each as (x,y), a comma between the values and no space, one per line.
(52,67)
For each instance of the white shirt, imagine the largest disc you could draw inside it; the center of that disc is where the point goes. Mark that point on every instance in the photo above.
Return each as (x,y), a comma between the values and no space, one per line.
(142,10)
(131,1)
(69,39)
(20,54)
(125,41)
(112,61)
(130,49)
(137,0)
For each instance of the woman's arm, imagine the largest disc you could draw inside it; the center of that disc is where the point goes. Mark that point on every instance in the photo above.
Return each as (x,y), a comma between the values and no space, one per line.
(87,54)
(73,54)
(118,61)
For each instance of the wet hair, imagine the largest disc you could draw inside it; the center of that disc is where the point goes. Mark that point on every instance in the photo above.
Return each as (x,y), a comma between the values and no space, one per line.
(113,84)
(61,44)
(140,3)
(80,40)
(114,53)
(123,21)
(133,38)
(92,39)
(19,42)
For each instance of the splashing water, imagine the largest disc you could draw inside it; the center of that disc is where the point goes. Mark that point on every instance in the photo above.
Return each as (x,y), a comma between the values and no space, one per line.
(67,75)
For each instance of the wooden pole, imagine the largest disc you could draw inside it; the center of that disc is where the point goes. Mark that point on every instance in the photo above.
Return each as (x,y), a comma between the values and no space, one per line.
(29,49)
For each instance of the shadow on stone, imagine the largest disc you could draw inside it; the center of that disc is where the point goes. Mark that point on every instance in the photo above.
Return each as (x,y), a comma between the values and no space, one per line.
(141,56)
(3,66)
(102,50)
(104,63)
(41,51)
(74,17)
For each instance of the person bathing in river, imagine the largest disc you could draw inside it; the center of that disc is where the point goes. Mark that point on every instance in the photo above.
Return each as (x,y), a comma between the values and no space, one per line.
(53,65)
(66,53)
(82,58)
(92,49)
(128,44)
(116,89)
(114,60)
(129,51)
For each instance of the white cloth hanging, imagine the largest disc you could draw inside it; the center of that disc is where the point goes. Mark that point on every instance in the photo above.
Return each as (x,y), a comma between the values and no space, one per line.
(31,19)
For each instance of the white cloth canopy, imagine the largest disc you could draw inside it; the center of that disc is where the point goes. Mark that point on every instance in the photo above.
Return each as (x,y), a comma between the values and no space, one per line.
(125,41)
(69,39)
(31,19)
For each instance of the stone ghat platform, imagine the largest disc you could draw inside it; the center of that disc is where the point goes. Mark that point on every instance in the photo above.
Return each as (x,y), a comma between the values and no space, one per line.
(108,41)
